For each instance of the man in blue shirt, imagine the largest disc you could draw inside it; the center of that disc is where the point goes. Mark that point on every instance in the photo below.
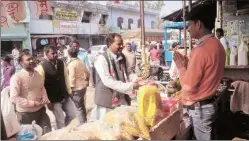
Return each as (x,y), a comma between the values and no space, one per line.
(134,47)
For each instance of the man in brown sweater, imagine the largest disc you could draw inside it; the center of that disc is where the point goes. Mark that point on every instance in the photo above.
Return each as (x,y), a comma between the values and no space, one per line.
(29,95)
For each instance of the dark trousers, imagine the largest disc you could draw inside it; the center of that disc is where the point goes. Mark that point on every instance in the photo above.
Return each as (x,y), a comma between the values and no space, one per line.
(92,76)
(79,101)
(39,116)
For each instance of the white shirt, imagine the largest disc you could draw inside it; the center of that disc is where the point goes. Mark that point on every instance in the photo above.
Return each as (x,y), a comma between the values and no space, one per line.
(102,69)
(224,42)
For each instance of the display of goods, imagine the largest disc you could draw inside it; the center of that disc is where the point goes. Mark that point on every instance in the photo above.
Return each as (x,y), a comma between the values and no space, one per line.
(176,95)
(128,121)
(171,90)
(88,131)
(178,84)
(171,84)
(168,104)
(148,103)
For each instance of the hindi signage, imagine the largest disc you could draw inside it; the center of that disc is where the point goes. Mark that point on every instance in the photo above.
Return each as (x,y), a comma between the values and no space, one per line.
(43,7)
(65,14)
(12,12)
(68,28)
(154,38)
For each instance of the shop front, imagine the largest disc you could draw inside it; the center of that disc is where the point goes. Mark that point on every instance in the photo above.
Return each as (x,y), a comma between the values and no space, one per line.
(10,36)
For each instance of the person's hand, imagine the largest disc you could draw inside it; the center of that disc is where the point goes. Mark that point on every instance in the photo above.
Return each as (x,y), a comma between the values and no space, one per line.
(142,82)
(135,85)
(44,101)
(50,106)
(178,59)
(37,104)
(138,79)
(185,60)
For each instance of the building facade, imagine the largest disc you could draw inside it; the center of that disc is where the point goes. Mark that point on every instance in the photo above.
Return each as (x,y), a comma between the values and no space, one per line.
(124,17)
(69,20)
(19,34)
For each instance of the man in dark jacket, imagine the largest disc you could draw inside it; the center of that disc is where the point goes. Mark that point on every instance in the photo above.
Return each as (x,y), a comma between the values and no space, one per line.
(55,77)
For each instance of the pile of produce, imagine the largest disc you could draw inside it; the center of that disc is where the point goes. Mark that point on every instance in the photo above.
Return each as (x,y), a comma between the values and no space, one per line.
(176,95)
(129,122)
(89,131)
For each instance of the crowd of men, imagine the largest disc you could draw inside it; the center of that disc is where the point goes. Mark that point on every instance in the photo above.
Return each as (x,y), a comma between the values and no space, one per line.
(61,86)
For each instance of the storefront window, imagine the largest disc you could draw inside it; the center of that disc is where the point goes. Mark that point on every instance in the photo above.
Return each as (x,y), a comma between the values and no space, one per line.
(8,46)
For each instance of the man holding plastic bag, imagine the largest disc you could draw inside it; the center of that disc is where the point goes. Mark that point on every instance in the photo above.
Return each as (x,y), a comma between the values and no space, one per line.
(29,95)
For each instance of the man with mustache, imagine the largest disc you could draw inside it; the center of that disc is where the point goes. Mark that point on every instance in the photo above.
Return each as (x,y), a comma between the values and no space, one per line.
(29,95)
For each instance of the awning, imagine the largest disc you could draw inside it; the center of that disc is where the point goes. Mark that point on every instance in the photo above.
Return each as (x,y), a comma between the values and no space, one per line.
(17,36)
(50,36)
(177,15)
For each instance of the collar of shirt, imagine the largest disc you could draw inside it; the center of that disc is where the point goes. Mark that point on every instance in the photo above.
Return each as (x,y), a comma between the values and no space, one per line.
(115,56)
(32,74)
(202,39)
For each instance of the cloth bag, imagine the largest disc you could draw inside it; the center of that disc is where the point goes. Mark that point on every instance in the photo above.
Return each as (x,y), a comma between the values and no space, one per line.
(12,126)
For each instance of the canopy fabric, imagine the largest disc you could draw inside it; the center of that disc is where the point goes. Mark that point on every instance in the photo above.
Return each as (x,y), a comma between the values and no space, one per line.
(177,16)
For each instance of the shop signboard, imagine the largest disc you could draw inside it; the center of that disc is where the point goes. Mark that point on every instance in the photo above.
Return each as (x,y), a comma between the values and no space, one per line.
(154,38)
(62,27)
(65,14)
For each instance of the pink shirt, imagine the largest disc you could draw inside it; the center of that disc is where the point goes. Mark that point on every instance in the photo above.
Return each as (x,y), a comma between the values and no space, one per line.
(202,77)
(25,89)
(155,55)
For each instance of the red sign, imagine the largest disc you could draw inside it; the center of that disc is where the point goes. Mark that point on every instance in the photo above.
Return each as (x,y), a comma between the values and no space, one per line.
(43,7)
(6,20)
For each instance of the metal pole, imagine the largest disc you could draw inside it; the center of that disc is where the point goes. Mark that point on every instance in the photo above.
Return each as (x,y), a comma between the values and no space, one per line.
(145,66)
(184,32)
(142,22)
(190,39)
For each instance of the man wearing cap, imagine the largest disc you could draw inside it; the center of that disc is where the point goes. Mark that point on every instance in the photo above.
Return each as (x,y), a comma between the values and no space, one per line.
(201,78)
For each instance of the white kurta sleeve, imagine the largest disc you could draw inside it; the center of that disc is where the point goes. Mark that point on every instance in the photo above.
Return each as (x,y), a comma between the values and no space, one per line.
(102,69)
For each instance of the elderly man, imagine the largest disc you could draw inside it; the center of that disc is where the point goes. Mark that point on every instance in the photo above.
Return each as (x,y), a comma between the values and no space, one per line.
(130,58)
(29,95)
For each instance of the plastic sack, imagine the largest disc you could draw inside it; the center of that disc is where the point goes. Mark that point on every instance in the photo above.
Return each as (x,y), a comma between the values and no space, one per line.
(12,126)
(102,130)
(128,121)
(89,131)
(30,132)
(149,103)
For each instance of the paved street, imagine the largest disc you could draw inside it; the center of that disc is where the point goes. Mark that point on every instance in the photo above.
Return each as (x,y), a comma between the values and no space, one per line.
(89,105)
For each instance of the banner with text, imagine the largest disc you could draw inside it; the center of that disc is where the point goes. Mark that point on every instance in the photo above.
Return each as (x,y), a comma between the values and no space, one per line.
(65,14)
(61,27)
